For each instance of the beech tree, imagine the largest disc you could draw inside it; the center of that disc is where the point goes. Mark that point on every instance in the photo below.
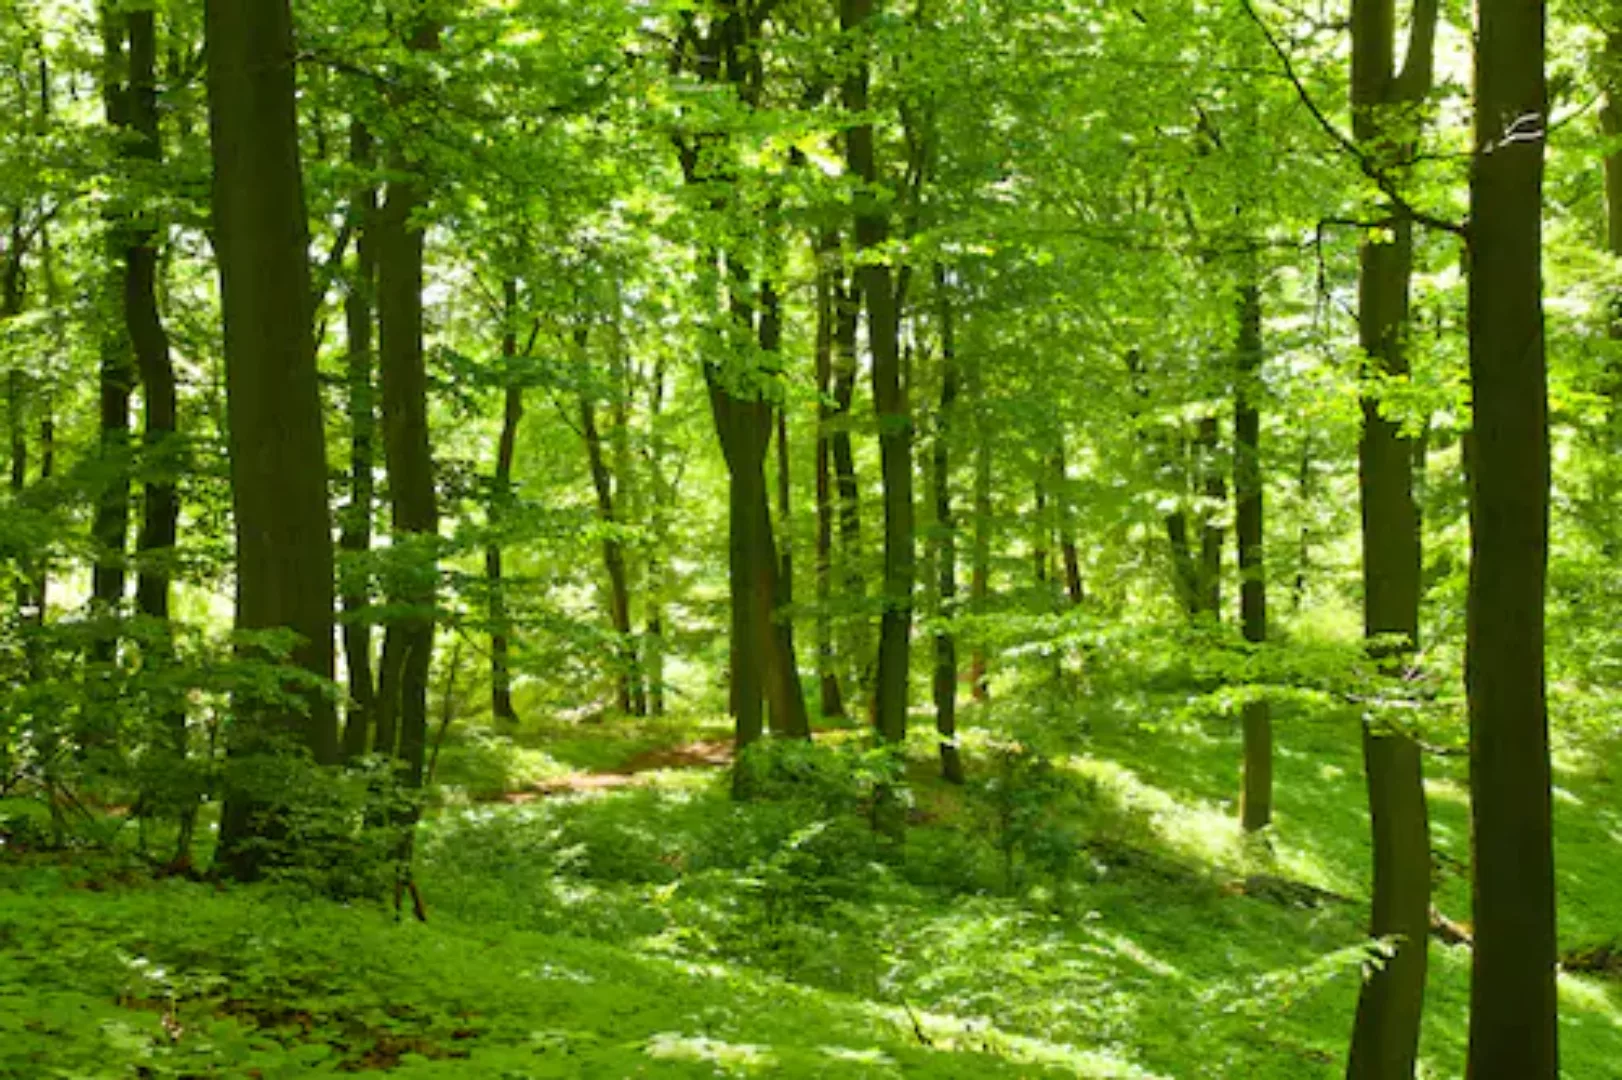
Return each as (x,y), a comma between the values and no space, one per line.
(277,441)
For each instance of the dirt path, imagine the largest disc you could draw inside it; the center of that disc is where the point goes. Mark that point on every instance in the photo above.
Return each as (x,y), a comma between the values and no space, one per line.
(703,754)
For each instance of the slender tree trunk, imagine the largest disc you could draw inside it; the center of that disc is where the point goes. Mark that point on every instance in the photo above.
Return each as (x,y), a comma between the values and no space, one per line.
(1208,452)
(889,397)
(1385,1039)
(654,654)
(1075,589)
(619,594)
(785,530)
(627,497)
(360,320)
(788,714)
(408,644)
(1041,536)
(160,518)
(1256,802)
(946,544)
(852,580)
(11,304)
(832,701)
(1303,554)
(501,499)
(276,443)
(980,574)
(1513,1027)
(110,527)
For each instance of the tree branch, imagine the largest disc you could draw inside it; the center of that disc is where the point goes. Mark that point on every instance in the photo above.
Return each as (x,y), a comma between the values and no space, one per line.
(1366,164)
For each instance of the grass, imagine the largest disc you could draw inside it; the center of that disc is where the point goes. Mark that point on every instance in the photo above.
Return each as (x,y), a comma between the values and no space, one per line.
(1074,914)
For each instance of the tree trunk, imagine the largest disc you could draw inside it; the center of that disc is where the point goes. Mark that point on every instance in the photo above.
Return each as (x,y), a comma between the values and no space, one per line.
(1513,1028)
(889,396)
(11,304)
(831,700)
(501,500)
(1075,589)
(356,538)
(1208,452)
(980,574)
(619,594)
(160,516)
(408,644)
(847,487)
(1256,801)
(1385,1038)
(110,527)
(946,544)
(276,443)
(654,654)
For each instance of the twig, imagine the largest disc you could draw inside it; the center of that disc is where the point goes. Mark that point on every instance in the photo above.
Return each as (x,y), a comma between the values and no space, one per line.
(1365,163)
(917,1027)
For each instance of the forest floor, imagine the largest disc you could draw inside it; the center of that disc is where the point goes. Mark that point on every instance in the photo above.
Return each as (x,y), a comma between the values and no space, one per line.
(599,906)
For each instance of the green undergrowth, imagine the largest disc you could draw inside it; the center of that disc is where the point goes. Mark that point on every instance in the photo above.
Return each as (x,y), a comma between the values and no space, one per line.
(1084,906)
(110,978)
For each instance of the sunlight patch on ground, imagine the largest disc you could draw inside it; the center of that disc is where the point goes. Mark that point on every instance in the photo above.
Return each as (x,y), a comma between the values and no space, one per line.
(1200,830)
(957,1034)
(1590,996)
(1442,790)
(1120,945)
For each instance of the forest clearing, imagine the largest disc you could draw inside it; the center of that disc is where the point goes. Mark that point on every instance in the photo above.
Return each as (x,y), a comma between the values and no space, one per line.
(811,538)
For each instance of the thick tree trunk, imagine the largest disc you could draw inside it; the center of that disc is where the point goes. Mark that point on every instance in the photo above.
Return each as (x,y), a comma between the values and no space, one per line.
(360,320)
(501,499)
(1256,801)
(889,398)
(1385,1038)
(1513,1028)
(946,543)
(276,443)
(831,700)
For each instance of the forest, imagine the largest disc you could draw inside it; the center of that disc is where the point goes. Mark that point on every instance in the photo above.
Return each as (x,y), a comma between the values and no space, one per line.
(811,538)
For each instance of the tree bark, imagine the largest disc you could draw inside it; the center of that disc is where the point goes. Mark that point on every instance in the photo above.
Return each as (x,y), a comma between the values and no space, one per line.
(889,396)
(408,644)
(619,594)
(360,320)
(946,543)
(831,699)
(1208,452)
(501,500)
(1513,1027)
(980,573)
(1256,801)
(763,666)
(1075,589)
(1385,1038)
(847,485)
(110,526)
(276,442)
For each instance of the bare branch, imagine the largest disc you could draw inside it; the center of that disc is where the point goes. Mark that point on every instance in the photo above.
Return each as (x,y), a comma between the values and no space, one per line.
(1366,164)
